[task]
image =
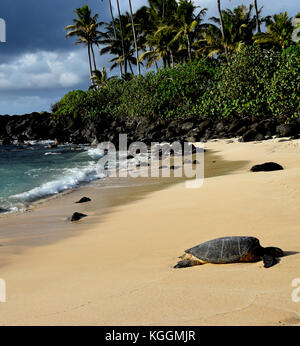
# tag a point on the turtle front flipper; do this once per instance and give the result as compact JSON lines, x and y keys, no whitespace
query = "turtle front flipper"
{"x":183,"y":264}
{"x":188,"y":261}
{"x":269,"y":261}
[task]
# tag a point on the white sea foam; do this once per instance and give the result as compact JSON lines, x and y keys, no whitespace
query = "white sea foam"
{"x":71,"y":178}
{"x":44,"y":142}
{"x":95,"y":153}
{"x":7,"y":207}
{"x":51,"y":153}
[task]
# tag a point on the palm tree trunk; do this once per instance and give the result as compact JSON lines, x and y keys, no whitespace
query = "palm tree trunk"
{"x":90,"y":63}
{"x":168,"y":58}
{"x":256,"y":16}
{"x":115,"y":31}
{"x":135,"y":42}
{"x":94,"y":60}
{"x":155,"y":62}
{"x":172,"y":58}
{"x":189,"y":47}
{"x":222,"y":26}
{"x":125,"y":65}
{"x":130,"y":67}
{"x":121,"y":32}
{"x":164,"y":62}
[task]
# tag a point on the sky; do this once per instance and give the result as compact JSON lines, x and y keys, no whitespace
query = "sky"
{"x":38,"y":65}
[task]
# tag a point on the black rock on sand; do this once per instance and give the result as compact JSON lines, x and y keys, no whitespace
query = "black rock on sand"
{"x":267,"y":167}
{"x":3,"y":210}
{"x":77,"y":216}
{"x":84,"y":200}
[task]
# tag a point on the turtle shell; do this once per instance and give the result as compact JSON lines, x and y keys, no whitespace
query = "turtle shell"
{"x":225,"y":250}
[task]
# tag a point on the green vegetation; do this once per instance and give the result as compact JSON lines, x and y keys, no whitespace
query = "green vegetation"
{"x":219,"y":69}
{"x":254,"y":82}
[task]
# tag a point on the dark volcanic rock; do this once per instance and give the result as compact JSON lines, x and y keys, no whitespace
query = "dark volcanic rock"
{"x":240,"y":131}
{"x":235,"y":126}
{"x":194,"y":133}
{"x":5,"y":141}
{"x":267,"y":167}
{"x":286,"y":130}
{"x":187,"y":126}
{"x":77,"y":216}
{"x":220,"y":127}
{"x":84,"y":200}
{"x":259,"y":137}
{"x":295,"y":137}
{"x":204,"y":125}
{"x":2,"y":210}
{"x":36,"y":126}
{"x":190,"y":139}
{"x":252,"y":135}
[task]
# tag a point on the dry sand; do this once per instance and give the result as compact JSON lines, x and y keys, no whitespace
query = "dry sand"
{"x":116,"y":268}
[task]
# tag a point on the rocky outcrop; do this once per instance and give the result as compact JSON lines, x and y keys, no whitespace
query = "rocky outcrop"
{"x":42,"y":126}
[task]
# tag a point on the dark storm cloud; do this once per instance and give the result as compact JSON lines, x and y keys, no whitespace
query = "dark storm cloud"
{"x":38,"y":65}
{"x":34,"y":25}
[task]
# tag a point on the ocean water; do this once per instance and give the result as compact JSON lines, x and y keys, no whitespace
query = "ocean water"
{"x":33,"y":172}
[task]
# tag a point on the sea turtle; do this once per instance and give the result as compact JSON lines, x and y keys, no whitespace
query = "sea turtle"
{"x":230,"y":250}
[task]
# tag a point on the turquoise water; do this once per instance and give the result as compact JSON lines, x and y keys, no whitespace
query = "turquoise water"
{"x":32,"y":172}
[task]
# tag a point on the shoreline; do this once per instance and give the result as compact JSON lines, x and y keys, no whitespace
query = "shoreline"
{"x":118,"y":271}
{"x":21,"y":229}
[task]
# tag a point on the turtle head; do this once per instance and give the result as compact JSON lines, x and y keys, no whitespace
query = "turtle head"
{"x":273,"y":251}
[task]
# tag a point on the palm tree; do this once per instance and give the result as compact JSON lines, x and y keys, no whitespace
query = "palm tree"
{"x":280,"y":29}
{"x":239,"y":26}
{"x":187,"y":23}
{"x":155,"y":42}
{"x":164,"y":38}
{"x":146,"y":20}
{"x":135,"y":41}
{"x":85,"y":28}
{"x":123,"y":54}
{"x":99,"y":78}
{"x":114,"y":29}
{"x":210,"y":42}
{"x":222,"y":25}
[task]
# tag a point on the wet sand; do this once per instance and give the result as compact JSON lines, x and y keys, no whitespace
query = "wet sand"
{"x":47,"y":221}
{"x":116,"y":266}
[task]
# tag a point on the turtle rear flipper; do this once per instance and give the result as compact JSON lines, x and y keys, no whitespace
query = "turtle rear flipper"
{"x":269,"y":261}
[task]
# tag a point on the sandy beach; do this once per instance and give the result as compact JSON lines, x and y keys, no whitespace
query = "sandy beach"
{"x":116,"y":266}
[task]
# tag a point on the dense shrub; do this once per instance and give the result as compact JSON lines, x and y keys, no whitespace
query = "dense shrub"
{"x":254,"y":82}
{"x":239,"y":88}
{"x":168,"y":93}
{"x":283,"y":90}
{"x":71,"y":103}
